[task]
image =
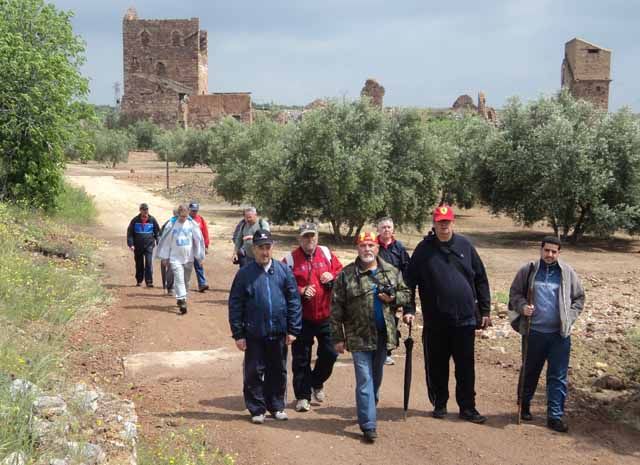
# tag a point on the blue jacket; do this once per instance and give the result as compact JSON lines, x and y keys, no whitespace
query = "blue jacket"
{"x":143,"y":236}
{"x":451,"y":279}
{"x":264,"y":304}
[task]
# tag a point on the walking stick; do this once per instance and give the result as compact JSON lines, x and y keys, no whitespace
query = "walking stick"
{"x":525,"y":345}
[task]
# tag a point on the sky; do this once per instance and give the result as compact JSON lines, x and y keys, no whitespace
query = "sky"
{"x":424,"y":53}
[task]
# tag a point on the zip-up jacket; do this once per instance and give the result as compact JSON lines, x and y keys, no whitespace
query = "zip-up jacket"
{"x":143,"y":235}
{"x":570,"y":300}
{"x":307,"y":271}
{"x":264,"y":303}
{"x":353,"y":318}
{"x":203,"y":228}
{"x":395,"y":253}
{"x":451,"y":280}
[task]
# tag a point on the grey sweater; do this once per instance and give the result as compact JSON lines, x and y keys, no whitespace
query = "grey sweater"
{"x":571,"y":298}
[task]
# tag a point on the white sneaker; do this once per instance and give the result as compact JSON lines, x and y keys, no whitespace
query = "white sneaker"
{"x":389,"y":361}
{"x":258,"y":419}
{"x":318,"y":394}
{"x":281,"y":415}
{"x":303,"y":405}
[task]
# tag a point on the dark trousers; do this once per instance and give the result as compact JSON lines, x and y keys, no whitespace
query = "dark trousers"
{"x":304,"y":378}
{"x":167,"y":276}
{"x":265,"y":375}
{"x":555,"y":350}
{"x":440,"y":344}
{"x":202,"y":281}
{"x":144,"y":265}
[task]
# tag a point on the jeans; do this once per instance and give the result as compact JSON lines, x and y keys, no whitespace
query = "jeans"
{"x":202,"y":281}
{"x":144,"y":265}
{"x":555,"y":350}
{"x":368,"y":366}
{"x":304,"y":378}
{"x":167,"y":276}
{"x":265,"y":375}
{"x":441,"y":343}
{"x":181,"y":277}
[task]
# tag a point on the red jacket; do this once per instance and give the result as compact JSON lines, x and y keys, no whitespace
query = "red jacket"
{"x":203,"y":227}
{"x":307,"y":271}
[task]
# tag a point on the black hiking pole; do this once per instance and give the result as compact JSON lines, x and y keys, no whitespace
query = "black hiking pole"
{"x":408,"y":342}
{"x":525,"y":346}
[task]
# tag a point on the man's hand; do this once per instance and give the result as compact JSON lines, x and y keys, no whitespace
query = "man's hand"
{"x":234,"y":258}
{"x":241,"y":344}
{"x":165,"y":262}
{"x":326,"y":277}
{"x":290,"y":339}
{"x":206,"y":250}
{"x":408,"y":318}
{"x":387,"y":299}
{"x":486,"y":322}
{"x":339,"y":347}
{"x":528,"y":310}
{"x":309,"y":291}
{"x":132,"y":248}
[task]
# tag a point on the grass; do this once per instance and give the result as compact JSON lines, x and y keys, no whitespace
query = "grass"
{"x":41,"y":293}
{"x":186,"y":447}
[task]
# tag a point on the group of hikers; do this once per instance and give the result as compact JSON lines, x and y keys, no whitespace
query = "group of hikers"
{"x":309,"y":297}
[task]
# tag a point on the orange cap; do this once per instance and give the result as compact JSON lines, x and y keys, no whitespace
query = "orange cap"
{"x":368,"y":236}
{"x":443,"y":213}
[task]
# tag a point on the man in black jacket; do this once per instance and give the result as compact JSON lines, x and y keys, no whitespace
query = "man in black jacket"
{"x":142,"y":236}
{"x":455,"y":297}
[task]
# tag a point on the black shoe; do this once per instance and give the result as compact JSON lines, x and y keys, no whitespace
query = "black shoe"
{"x":558,"y":425}
{"x":182,"y":305}
{"x":203,"y":288}
{"x":169,"y":291}
{"x":149,"y":284}
{"x":370,"y":436}
{"x":472,"y":415}
{"x":439,"y":412}
{"x":525,"y":413}
{"x":138,"y":284}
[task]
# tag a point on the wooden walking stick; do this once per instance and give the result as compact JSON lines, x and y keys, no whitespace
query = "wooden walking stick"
{"x":525,"y":343}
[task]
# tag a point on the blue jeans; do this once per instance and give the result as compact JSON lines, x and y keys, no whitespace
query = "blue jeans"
{"x":555,"y":350}
{"x":368,"y":366}
{"x":202,"y":281}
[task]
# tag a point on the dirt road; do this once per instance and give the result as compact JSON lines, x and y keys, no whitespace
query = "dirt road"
{"x":197,"y":378}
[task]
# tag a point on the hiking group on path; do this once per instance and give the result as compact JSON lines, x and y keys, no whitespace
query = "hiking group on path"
{"x":310,"y":297}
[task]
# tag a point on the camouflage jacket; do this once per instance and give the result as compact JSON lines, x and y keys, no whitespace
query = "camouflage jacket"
{"x":352,"y":312}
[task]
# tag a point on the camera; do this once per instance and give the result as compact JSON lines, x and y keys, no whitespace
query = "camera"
{"x":328,"y":285}
{"x":388,"y":289}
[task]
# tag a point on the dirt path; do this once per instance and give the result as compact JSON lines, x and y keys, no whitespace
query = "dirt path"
{"x":204,"y":386}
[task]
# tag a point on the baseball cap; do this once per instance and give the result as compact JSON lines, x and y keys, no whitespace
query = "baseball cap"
{"x":367,"y":236}
{"x":194,"y":206}
{"x":262,"y":236}
{"x":144,"y":206}
{"x":443,"y":213}
{"x":307,"y":228}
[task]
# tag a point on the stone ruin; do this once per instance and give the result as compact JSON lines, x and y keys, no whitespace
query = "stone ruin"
{"x":465,"y":103}
{"x":586,"y":72}
{"x":166,"y":72}
{"x":374,"y":91}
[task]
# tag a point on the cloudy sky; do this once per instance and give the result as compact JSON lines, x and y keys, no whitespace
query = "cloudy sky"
{"x":424,"y":53}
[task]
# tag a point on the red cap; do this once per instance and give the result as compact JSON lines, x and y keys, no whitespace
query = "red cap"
{"x":443,"y":213}
{"x":369,"y":236}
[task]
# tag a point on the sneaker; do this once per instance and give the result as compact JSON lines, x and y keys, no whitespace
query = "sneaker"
{"x":281,"y":415}
{"x":258,"y":419}
{"x":525,"y":413}
{"x":389,"y":360}
{"x":303,"y":405}
{"x":370,"y":436}
{"x":439,"y":412}
{"x":182,"y":305}
{"x":203,"y":288}
{"x":473,"y":416}
{"x":318,"y":394}
{"x":557,"y":424}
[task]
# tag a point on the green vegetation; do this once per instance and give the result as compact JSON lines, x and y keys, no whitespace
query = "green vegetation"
{"x":187,"y":447}
{"x":41,"y":98}
{"x":113,"y":145}
{"x":40,"y":295}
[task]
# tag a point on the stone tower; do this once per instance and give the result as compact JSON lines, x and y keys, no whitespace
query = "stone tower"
{"x":586,"y":72}
{"x":374,"y":91}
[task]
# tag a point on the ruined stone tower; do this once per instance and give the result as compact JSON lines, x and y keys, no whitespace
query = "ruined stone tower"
{"x":586,"y":72}
{"x":374,"y":91}
{"x":166,"y":74}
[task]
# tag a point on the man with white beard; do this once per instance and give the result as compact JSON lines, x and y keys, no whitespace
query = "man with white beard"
{"x":365,"y":298}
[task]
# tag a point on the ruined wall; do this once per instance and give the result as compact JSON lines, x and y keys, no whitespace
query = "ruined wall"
{"x":205,"y":110}
{"x":374,"y":91}
{"x":586,"y":72}
{"x":162,"y":62}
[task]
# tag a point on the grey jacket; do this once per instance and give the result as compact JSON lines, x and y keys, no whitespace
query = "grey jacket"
{"x":571,"y":296}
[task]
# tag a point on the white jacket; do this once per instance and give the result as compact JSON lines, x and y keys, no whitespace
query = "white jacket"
{"x":181,"y":242}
